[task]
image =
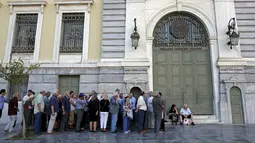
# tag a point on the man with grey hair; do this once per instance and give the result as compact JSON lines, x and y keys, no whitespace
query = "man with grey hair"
{"x":186,"y":113}
{"x":114,"y":110}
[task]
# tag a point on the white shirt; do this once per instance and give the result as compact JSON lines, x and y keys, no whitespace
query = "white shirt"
{"x":141,"y":103}
{"x":72,"y":107}
{"x":25,"y":98}
{"x":185,"y":112}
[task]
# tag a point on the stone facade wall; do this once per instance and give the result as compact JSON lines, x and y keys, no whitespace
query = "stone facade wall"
{"x":243,"y":78}
{"x":100,"y":79}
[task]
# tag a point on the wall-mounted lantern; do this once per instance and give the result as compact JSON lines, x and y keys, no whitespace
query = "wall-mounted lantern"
{"x":233,"y":34}
{"x":135,"y":36}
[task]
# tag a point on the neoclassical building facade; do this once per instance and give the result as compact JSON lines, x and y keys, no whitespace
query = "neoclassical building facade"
{"x":183,"y":50}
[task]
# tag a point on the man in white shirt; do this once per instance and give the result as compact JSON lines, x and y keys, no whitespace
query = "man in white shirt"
{"x":186,"y":113}
{"x":141,"y":109}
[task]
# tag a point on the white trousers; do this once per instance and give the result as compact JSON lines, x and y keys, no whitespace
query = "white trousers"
{"x":52,"y":122}
{"x":103,"y":119}
{"x":11,"y":124}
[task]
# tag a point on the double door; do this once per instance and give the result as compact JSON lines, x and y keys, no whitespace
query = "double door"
{"x":184,"y":77}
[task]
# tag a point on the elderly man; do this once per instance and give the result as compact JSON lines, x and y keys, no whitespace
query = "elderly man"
{"x":38,"y":111}
{"x":66,"y":106}
{"x":12,"y":113}
{"x":114,"y":110}
{"x":150,"y":112}
{"x":54,"y":111}
{"x":141,"y":110}
{"x":186,"y":113}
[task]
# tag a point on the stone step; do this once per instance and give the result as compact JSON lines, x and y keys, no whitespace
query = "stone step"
{"x":202,"y":119}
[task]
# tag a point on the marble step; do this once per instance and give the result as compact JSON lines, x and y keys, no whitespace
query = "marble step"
{"x":202,"y":119}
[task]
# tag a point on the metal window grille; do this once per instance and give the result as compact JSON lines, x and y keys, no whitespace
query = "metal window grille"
{"x":72,"y":33}
{"x":25,"y":31}
{"x":180,"y":30}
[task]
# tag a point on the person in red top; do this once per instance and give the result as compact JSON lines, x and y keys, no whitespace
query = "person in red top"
{"x":12,"y":113}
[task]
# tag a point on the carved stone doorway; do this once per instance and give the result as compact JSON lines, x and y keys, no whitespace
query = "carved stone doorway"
{"x":136,"y":91}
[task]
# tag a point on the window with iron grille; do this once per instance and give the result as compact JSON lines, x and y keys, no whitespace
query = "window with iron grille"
{"x":72,"y":33}
{"x":25,"y":31}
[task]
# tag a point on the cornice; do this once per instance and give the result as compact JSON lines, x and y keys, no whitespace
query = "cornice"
{"x":25,"y":3}
{"x":68,"y":2}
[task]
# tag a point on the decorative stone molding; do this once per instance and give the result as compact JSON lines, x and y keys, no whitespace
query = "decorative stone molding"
{"x":233,"y":77}
{"x":31,"y":3}
{"x":135,"y":1}
{"x":74,"y":2}
{"x":231,"y":62}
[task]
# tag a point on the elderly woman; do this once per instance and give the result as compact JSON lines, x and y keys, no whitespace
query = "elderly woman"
{"x":127,"y":114}
{"x":104,"y":111}
{"x":93,"y":112}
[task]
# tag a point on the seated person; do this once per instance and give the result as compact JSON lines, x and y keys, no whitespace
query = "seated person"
{"x":186,"y":113}
{"x":173,"y":113}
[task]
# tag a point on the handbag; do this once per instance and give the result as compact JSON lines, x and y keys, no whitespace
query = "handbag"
{"x":130,"y":114}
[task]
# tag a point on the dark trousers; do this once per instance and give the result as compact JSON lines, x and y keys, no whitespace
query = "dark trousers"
{"x":37,"y":124}
{"x":141,"y":115}
{"x":162,"y":125}
{"x":79,"y":114}
{"x":1,"y":110}
{"x":157,"y":122}
{"x":44,"y":122}
{"x":64,"y":121}
{"x":120,"y":120}
{"x":84,"y":120}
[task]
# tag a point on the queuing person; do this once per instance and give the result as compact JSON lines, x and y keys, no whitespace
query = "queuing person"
{"x":157,"y":108}
{"x":150,"y":111}
{"x":141,"y":109}
{"x":114,"y":110}
{"x":66,"y":107}
{"x":162,"y":124}
{"x":127,"y":114}
{"x":38,"y":110}
{"x":12,"y":113}
{"x":54,"y":111}
{"x":46,"y":112}
{"x":93,"y":106}
{"x":71,"y":121}
{"x":28,"y":111}
{"x":80,"y":102}
{"x":2,"y":100}
{"x":133,"y":105}
{"x":104,"y":112}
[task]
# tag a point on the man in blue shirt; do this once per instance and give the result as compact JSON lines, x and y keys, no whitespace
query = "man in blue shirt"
{"x":2,"y":100}
{"x":66,"y":106}
{"x":54,"y":111}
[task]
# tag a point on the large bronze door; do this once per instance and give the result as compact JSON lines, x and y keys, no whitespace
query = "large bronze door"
{"x":181,"y":63}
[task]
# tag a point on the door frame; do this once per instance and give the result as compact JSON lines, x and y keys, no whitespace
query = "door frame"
{"x":230,"y":101}
{"x":213,"y":45}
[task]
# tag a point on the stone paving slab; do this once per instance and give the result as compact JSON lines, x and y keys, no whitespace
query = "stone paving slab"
{"x":174,"y":134}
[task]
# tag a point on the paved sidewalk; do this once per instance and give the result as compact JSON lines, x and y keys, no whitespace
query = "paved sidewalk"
{"x":174,"y":134}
